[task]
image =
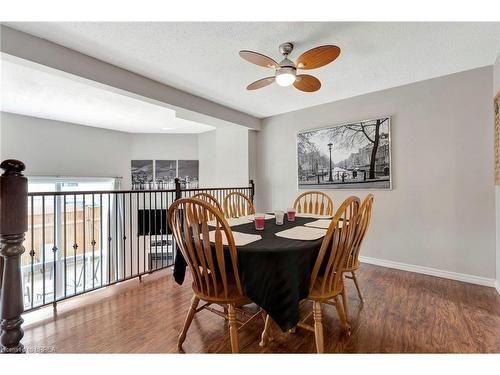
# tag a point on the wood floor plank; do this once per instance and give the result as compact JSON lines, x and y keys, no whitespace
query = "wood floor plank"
{"x":403,"y":313}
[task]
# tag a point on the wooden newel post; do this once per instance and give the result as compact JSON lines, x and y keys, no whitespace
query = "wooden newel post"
{"x":178,"y":194}
{"x":13,"y":225}
{"x":252,"y":190}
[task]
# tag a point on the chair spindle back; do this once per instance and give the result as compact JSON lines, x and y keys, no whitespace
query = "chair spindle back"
{"x":337,"y":243}
{"x":362,"y":223}
{"x":210,"y":199}
{"x":314,"y":202}
{"x":212,"y":273}
{"x":237,"y":204}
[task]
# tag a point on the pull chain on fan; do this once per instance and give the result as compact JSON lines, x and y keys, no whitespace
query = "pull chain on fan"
{"x":286,"y":71}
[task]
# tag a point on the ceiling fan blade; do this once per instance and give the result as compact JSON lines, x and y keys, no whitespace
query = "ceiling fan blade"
{"x":317,"y":57}
{"x":259,"y":59}
{"x":307,"y":83}
{"x":260,"y":83}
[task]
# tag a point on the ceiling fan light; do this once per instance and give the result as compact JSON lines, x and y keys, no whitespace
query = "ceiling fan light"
{"x":285,"y":76}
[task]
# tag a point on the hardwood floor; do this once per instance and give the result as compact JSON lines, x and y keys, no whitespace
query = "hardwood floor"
{"x":403,"y":313}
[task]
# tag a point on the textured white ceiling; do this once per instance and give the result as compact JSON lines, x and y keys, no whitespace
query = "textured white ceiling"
{"x":202,"y":58}
{"x":49,"y":94}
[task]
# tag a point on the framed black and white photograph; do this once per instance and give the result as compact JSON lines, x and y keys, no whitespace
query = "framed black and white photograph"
{"x":187,"y":172}
{"x":142,"y":174}
{"x":165,"y":173}
{"x":354,"y":155}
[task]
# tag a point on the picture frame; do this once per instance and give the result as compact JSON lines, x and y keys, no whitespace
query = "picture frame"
{"x":341,"y":156}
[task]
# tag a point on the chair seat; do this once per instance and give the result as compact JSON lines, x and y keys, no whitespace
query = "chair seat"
{"x":317,"y":294}
{"x":233,"y":295}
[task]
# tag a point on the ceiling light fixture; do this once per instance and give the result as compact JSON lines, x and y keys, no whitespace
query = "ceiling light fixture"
{"x":285,"y":76}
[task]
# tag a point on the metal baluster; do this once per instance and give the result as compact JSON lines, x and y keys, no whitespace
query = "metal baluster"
{"x":32,"y":252}
{"x":161,"y":226}
{"x":84,"y":247}
{"x":144,"y":231}
{"x":43,"y":249}
{"x":93,"y":241}
{"x":149,"y":235}
{"x":174,"y":248}
{"x":65,"y":248}
{"x":124,"y":236}
{"x":130,"y":233}
{"x":75,"y":246}
{"x":117,"y":241}
{"x":54,"y":250}
{"x":156,"y":232}
{"x":109,"y":238}
{"x":137,"y":228}
{"x":101,"y":237}
{"x":166,"y":226}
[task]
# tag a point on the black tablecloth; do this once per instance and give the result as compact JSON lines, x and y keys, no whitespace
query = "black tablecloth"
{"x":275,"y":271}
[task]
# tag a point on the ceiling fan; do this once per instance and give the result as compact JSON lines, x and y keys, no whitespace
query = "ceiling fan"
{"x":286,"y":70}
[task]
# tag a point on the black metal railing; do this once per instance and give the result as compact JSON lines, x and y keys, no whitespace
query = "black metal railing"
{"x":80,"y":241}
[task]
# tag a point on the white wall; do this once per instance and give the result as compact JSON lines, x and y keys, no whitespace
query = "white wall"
{"x":441,"y":212}
{"x":208,"y":160}
{"x":164,"y":146}
{"x":232,"y":157}
{"x":53,"y":148}
{"x":224,"y":158}
{"x":496,"y":75}
{"x":252,"y":150}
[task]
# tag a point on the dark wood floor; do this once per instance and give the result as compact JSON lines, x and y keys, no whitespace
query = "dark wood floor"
{"x":403,"y":313}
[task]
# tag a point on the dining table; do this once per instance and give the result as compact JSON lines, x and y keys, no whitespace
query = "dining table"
{"x":275,"y":271}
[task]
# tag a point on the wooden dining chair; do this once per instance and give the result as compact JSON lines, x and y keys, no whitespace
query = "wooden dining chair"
{"x":352,"y":259}
{"x":326,"y":279}
{"x":314,"y":202}
{"x":210,"y":199}
{"x":237,"y":204}
{"x":216,"y":278}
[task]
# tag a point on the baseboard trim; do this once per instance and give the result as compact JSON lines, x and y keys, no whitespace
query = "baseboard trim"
{"x":432,"y":272}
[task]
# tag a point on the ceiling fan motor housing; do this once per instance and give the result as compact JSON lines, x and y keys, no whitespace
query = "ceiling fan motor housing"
{"x":286,"y":66}
{"x":286,"y":63}
{"x":286,"y":48}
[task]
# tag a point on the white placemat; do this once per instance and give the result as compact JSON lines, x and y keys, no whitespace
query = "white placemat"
{"x":240,"y":239}
{"x":322,"y":223}
{"x":314,"y":216}
{"x":233,"y":221}
{"x":302,"y":233}
{"x":251,"y":217}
